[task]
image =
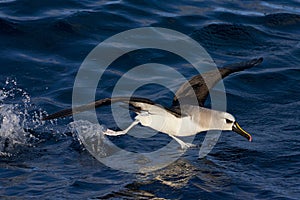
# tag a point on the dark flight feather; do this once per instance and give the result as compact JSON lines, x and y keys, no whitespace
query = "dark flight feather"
{"x":198,"y":85}
{"x":103,"y":102}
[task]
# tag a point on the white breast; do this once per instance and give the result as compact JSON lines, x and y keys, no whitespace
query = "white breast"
{"x":161,"y":120}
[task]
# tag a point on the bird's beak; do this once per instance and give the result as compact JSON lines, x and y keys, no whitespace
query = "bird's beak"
{"x":236,"y":128}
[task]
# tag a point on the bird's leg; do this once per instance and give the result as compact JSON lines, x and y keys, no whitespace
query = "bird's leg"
{"x":183,"y":144}
{"x":123,"y":132}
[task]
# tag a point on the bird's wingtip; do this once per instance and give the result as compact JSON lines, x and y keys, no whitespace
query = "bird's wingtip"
{"x":244,"y":65}
{"x":257,"y":61}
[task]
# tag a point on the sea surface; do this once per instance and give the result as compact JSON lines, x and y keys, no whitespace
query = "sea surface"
{"x":43,"y":44}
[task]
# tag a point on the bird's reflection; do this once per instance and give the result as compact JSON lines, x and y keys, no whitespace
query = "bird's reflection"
{"x":181,"y":175}
{"x":204,"y":174}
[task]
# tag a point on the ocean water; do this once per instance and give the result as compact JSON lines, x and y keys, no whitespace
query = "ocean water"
{"x":43,"y":44}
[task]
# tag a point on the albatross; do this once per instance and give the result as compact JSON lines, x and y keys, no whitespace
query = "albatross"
{"x":183,"y":117}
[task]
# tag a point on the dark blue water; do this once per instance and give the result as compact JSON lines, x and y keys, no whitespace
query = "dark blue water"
{"x":43,"y":44}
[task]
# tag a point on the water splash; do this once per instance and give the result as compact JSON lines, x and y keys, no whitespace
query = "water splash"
{"x":92,"y":136}
{"x":16,"y":118}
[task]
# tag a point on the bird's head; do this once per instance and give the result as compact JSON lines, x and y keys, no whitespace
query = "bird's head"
{"x":229,"y":123}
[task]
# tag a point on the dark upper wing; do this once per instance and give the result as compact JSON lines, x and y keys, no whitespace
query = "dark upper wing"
{"x":103,"y":102}
{"x":200,"y":84}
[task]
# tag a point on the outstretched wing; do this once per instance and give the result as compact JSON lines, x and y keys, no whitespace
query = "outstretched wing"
{"x":200,"y":84}
{"x":107,"y":101}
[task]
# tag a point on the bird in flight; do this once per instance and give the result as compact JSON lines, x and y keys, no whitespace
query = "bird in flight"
{"x":185,"y":117}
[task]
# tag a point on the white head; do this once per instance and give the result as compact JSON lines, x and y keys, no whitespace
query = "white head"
{"x":225,"y":121}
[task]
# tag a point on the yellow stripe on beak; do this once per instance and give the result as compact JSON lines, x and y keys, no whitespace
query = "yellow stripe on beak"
{"x":236,"y":128}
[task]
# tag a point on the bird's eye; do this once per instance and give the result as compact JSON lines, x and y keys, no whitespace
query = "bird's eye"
{"x":228,"y":121}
